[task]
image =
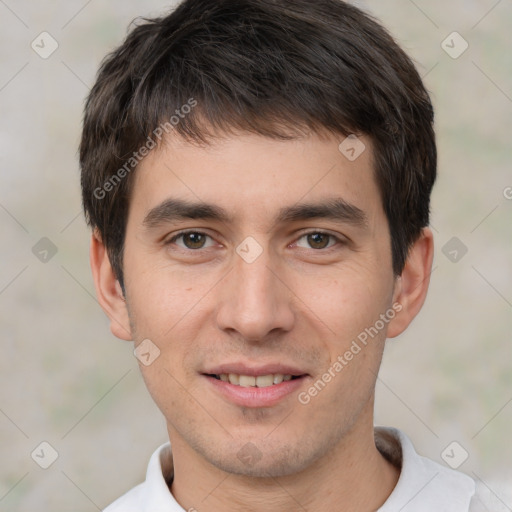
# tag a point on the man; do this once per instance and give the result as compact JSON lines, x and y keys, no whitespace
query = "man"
{"x":257,"y":174}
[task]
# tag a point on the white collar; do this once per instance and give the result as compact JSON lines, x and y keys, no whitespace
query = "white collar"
{"x":423,"y":486}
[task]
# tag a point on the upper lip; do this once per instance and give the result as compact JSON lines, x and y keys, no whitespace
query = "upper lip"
{"x":241,"y":368}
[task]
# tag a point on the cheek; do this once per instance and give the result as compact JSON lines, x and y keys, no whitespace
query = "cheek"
{"x":162,"y":296}
{"x":168,"y":389}
{"x":346,"y":300}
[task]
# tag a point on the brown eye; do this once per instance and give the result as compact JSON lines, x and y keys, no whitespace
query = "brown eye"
{"x":317,"y":240}
{"x":192,"y":240}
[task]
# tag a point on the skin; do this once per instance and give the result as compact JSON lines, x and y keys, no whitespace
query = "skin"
{"x":298,"y":303}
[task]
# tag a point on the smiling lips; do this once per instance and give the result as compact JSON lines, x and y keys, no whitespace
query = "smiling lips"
{"x":261,"y":381}
{"x":248,"y":386}
{"x":246,"y":375}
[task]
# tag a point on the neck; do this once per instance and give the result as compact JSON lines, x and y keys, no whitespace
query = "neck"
{"x":353,"y":475}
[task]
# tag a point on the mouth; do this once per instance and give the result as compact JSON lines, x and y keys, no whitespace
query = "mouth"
{"x":252,"y":381}
{"x":263,"y":387}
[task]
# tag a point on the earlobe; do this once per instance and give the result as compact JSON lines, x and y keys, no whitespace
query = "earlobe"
{"x":412,"y":285}
{"x":109,"y":292}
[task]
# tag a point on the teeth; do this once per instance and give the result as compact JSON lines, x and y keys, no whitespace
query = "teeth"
{"x":278,"y":378}
{"x":263,"y":381}
{"x":247,"y":381}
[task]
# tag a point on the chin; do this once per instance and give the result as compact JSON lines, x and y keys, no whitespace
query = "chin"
{"x":259,"y":460}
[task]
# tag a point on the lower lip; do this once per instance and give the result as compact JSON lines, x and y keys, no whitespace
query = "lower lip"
{"x":253,"y":396}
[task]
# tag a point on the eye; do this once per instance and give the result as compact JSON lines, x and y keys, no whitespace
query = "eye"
{"x":192,"y":240}
{"x":318,"y":240}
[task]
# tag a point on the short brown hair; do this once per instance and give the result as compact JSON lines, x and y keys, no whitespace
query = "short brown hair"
{"x":279,"y":68}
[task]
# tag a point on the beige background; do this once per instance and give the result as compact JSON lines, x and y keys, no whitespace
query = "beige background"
{"x":66,"y":380}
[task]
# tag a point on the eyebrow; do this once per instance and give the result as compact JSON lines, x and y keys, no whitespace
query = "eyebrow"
{"x":335,"y":209}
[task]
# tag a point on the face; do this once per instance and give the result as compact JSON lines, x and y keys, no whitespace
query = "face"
{"x":262,"y":259}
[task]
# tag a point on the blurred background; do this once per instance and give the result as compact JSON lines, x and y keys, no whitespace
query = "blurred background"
{"x":66,"y":381}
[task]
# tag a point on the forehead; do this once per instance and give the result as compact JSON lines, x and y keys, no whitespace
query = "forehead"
{"x":253,"y":177}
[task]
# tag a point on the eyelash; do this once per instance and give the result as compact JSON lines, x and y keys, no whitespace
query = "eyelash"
{"x":313,"y":232}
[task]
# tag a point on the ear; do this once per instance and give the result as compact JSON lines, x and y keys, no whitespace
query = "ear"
{"x":412,"y":285}
{"x":108,"y":290}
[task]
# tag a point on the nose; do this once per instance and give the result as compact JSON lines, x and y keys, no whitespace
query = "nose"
{"x":255,"y":301}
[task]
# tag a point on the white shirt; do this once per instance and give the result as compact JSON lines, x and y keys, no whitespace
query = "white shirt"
{"x":423,"y":485}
